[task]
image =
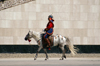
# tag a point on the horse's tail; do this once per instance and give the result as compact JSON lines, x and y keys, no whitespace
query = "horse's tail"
{"x":71,"y":47}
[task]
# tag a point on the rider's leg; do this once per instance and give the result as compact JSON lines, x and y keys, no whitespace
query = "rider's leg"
{"x":48,"y":41}
{"x":46,"y":38}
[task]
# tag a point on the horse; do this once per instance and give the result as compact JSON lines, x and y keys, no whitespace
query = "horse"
{"x":58,"y":40}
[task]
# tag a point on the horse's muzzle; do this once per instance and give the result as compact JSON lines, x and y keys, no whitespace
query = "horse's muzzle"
{"x":26,"y":39}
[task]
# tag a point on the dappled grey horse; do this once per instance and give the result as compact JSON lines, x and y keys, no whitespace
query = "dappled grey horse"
{"x":58,"y":40}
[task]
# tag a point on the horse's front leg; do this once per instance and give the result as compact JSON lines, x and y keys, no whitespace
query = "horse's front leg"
{"x":46,"y":54}
{"x":37,"y":52}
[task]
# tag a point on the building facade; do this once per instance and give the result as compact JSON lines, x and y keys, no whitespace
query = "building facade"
{"x":77,"y":19}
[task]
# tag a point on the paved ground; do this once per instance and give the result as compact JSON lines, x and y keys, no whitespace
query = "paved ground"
{"x":50,"y":62}
{"x":51,"y":55}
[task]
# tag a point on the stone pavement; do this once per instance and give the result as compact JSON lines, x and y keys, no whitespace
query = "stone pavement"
{"x":51,"y":55}
{"x":50,"y":62}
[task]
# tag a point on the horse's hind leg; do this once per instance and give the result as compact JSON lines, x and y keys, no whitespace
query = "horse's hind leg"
{"x":63,"y":51}
{"x":46,"y":54}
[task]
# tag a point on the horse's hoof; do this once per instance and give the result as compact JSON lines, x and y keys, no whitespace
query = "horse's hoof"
{"x":65,"y":57}
{"x":46,"y":58}
{"x":61,"y":59}
{"x":34,"y":58}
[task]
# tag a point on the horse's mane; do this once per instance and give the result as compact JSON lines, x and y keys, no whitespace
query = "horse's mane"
{"x":36,"y":34}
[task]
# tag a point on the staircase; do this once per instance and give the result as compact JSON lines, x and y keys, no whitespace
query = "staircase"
{"x":11,"y":3}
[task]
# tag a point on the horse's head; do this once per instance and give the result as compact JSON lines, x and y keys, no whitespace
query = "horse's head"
{"x":29,"y":36}
{"x":32,"y":34}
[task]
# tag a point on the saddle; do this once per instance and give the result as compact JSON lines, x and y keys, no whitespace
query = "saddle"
{"x":45,"y":43}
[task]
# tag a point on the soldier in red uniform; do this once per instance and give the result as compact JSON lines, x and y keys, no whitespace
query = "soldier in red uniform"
{"x":49,"y":29}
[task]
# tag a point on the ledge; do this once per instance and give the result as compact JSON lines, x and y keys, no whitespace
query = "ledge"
{"x":12,"y":3}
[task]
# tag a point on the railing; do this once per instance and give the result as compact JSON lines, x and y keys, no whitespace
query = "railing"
{"x":11,"y":3}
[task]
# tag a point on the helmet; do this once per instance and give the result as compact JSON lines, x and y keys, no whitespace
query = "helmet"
{"x":50,"y":16}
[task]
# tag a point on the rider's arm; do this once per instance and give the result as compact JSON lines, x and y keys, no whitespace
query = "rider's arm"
{"x":49,"y":25}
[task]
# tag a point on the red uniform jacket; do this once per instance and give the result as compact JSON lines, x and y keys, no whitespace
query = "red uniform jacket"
{"x":50,"y":25}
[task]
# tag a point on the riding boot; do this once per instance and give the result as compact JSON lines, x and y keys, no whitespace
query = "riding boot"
{"x":48,"y":43}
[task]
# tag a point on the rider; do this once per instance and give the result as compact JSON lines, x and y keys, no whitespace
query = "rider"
{"x":49,"y":29}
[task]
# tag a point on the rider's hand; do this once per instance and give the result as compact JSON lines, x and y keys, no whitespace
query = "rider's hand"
{"x":46,"y":29}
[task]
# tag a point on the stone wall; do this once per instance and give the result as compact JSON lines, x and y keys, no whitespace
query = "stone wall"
{"x":77,"y":19}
